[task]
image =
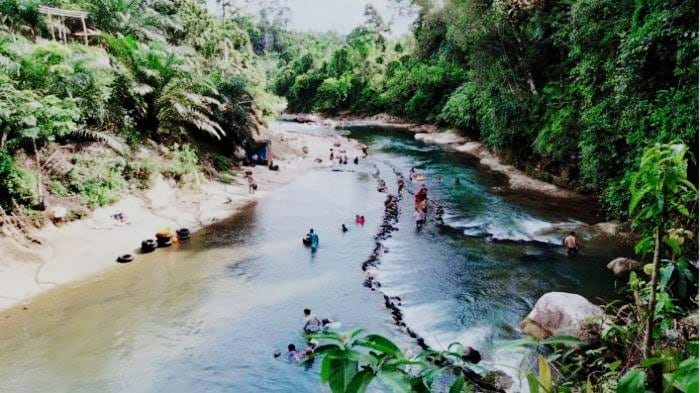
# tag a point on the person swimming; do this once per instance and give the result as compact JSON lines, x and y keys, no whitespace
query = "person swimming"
{"x":292,"y":355}
{"x":356,"y":160}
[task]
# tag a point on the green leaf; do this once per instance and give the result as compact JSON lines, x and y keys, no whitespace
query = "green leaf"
{"x":569,"y":341}
{"x":458,"y":384}
{"x":360,"y":381}
{"x":419,"y":386}
{"x":653,"y":361}
{"x":685,"y":378}
{"x":533,"y":384}
{"x":341,"y":373}
{"x":632,"y":382}
{"x":666,"y":274}
{"x":397,"y":380}
{"x":545,"y":373}
{"x":325,"y":368}
{"x":381,"y":344}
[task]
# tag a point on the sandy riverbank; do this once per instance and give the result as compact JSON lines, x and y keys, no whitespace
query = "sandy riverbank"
{"x":88,"y":247}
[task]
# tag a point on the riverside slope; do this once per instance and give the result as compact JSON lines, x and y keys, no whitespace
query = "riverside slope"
{"x":86,"y":248}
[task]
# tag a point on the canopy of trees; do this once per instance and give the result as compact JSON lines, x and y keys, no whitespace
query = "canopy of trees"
{"x":573,"y":90}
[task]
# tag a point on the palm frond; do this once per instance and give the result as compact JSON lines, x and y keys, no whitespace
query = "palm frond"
{"x":111,"y":140}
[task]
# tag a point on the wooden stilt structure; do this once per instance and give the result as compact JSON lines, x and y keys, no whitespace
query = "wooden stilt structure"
{"x":63,"y":31}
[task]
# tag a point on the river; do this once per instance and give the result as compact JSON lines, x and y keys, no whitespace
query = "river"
{"x":208,"y":314}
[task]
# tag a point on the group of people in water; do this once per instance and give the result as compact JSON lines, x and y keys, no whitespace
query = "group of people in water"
{"x":310,"y":324}
{"x":342,"y":157}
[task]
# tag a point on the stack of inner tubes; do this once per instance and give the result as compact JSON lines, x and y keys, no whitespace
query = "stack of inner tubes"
{"x":148,"y":245}
{"x":164,"y":240}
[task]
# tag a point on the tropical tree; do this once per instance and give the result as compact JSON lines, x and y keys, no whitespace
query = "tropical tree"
{"x":661,"y":197}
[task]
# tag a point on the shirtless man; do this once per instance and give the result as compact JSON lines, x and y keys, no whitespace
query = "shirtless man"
{"x":571,"y":244}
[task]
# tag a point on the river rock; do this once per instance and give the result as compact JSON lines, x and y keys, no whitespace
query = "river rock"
{"x":499,"y":380}
{"x":441,"y":138}
{"x":424,"y":128}
{"x":610,"y":228}
{"x":623,"y":266}
{"x":307,"y":118}
{"x":560,"y":313}
{"x":471,"y":355}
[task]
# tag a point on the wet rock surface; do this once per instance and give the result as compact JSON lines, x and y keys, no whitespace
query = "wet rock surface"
{"x":560,"y":314}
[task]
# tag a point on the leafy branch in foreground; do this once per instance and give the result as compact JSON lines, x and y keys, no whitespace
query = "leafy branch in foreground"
{"x":353,"y":361}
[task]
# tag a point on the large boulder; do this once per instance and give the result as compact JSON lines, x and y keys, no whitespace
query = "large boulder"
{"x":441,"y":138}
{"x":561,"y":314}
{"x":307,"y":118}
{"x":424,"y":128}
{"x":623,"y":266}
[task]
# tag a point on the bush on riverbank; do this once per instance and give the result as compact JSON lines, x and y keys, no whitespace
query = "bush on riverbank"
{"x":165,"y":70}
{"x":573,"y":89}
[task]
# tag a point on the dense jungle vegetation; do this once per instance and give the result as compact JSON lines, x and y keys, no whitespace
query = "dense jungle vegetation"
{"x":572,"y":90}
{"x":168,"y":71}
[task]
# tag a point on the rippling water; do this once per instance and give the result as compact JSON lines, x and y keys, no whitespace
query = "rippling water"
{"x":208,"y":316}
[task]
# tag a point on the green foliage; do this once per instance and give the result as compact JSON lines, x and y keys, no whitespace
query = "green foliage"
{"x":166,"y":70}
{"x":353,"y":361}
{"x":17,"y":183}
{"x":97,"y":180}
{"x":58,"y":189}
{"x":141,"y":172}
{"x":632,"y":382}
{"x":221,"y":163}
{"x":577,"y":88}
{"x":183,"y":162}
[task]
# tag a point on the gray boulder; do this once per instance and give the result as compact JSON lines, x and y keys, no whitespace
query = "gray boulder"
{"x":623,"y":266}
{"x":561,"y":314}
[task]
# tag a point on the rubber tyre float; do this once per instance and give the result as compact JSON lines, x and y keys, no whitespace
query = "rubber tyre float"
{"x":183,"y":233}
{"x":125,"y":258}
{"x":165,"y":242}
{"x":149,"y":245}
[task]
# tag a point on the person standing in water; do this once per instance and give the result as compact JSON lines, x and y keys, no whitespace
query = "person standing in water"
{"x":399,"y":185}
{"x":572,"y":244}
{"x":419,"y":216}
{"x":310,"y":322}
{"x":313,"y":237}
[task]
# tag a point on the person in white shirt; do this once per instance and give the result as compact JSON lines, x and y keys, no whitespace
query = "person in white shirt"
{"x":310,"y":323}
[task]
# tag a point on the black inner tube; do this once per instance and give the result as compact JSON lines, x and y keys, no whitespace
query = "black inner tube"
{"x":126,"y":258}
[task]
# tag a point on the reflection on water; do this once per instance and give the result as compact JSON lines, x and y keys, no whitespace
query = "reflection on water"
{"x":209,"y":315}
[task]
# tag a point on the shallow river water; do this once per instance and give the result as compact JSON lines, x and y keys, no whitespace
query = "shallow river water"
{"x":207,"y":315}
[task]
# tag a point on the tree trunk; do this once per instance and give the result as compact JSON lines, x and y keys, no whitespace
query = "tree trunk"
{"x":646,"y":350}
{"x":40,"y":193}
